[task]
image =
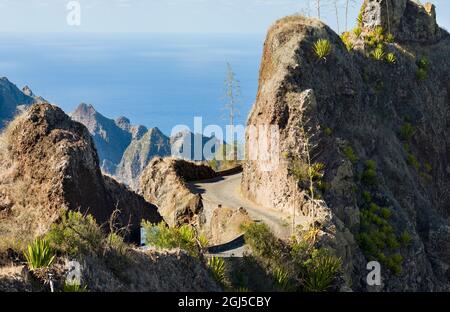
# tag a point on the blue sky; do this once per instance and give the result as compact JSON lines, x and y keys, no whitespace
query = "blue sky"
{"x":177,"y":16}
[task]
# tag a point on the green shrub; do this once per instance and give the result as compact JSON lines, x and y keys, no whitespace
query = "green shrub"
{"x":350,"y":154}
{"x":162,"y":236}
{"x":39,"y":254}
{"x":74,"y":288}
{"x":407,"y":132}
{"x":421,"y":74}
{"x":405,"y":238}
{"x":423,"y":63}
{"x":322,"y":270}
{"x":378,"y":32}
{"x":328,"y":131}
{"x":369,"y":175}
{"x":367,"y":197}
{"x":390,"y":38}
{"x":394,"y":263}
{"x":391,"y":58}
{"x":428,"y":167}
{"x":413,"y":162}
{"x":361,"y":14}
{"x":262,"y":241}
{"x":386,"y":213}
{"x":357,"y":31}
{"x":217,"y":268}
{"x":346,"y":39}
{"x":322,"y":49}
{"x":282,"y":279}
{"x":76,"y":234}
{"x":378,"y":54}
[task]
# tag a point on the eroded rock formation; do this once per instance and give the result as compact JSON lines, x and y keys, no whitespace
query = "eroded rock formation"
{"x":382,"y":134}
{"x":164,"y":182}
{"x":49,"y":165}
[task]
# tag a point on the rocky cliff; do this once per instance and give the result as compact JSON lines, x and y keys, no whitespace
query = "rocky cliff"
{"x":125,"y":149}
{"x":377,"y":129}
{"x":164,"y":182}
{"x":111,"y":139}
{"x":13,"y":100}
{"x":139,"y":154}
{"x":49,"y":165}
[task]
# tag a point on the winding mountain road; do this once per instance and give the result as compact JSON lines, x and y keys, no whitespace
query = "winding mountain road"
{"x":226,"y":191}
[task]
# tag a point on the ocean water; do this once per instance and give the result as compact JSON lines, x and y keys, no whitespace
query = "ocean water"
{"x":158,"y":80}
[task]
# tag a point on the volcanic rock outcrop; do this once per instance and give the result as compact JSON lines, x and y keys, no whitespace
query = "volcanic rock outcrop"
{"x":13,"y":100}
{"x":49,"y":165}
{"x":382,"y":134}
{"x":164,"y":182}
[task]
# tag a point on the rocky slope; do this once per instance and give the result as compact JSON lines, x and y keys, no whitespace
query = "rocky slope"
{"x":125,"y":150}
{"x":49,"y":165}
{"x":163,"y":182}
{"x":139,"y":154}
{"x":381,"y":130}
{"x":111,"y":139}
{"x":146,"y":271}
{"x":13,"y":100}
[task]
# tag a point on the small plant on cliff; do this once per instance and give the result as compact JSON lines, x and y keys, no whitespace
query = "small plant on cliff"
{"x":350,"y":154}
{"x":369,"y":176}
{"x":183,"y":237}
{"x":422,"y":72}
{"x":390,"y":38}
{"x":407,"y":132}
{"x":391,"y":58}
{"x":361,"y":15}
{"x":322,"y":49}
{"x":76,"y":234}
{"x":423,"y":63}
{"x":357,"y":31}
{"x":413,"y":162}
{"x":39,"y":254}
{"x":378,"y":54}
{"x":322,"y":269}
{"x":346,"y":39}
{"x":74,"y":288}
{"x":259,"y":237}
{"x":217,"y":267}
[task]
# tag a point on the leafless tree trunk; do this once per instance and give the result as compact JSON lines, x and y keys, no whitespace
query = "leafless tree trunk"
{"x":232,"y":94}
{"x":318,"y":8}
{"x":347,"y":4}
{"x":337,"y":15}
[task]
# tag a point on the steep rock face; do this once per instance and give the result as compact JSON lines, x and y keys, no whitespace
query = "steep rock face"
{"x":407,"y":20}
{"x":189,"y":146}
{"x":163,"y":182}
{"x":50,"y":165}
{"x":11,"y":100}
{"x":110,"y":139}
{"x":147,"y":271}
{"x":138,"y":155}
{"x":354,"y":104}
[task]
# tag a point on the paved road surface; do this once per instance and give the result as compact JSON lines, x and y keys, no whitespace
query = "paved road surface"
{"x":225,"y":191}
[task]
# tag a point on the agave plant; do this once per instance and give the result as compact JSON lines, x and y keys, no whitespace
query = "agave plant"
{"x":391,"y":58}
{"x":322,"y":48}
{"x":39,"y":254}
{"x":282,"y":279}
{"x":217,"y":267}
{"x":322,"y":273}
{"x":73,"y":287}
{"x":378,"y":53}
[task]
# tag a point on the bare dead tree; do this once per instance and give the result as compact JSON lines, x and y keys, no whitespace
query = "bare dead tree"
{"x":232,"y":95}
{"x":318,"y":8}
{"x":336,"y":9}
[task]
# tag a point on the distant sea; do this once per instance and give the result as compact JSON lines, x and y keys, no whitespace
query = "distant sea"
{"x":154,"y":79}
